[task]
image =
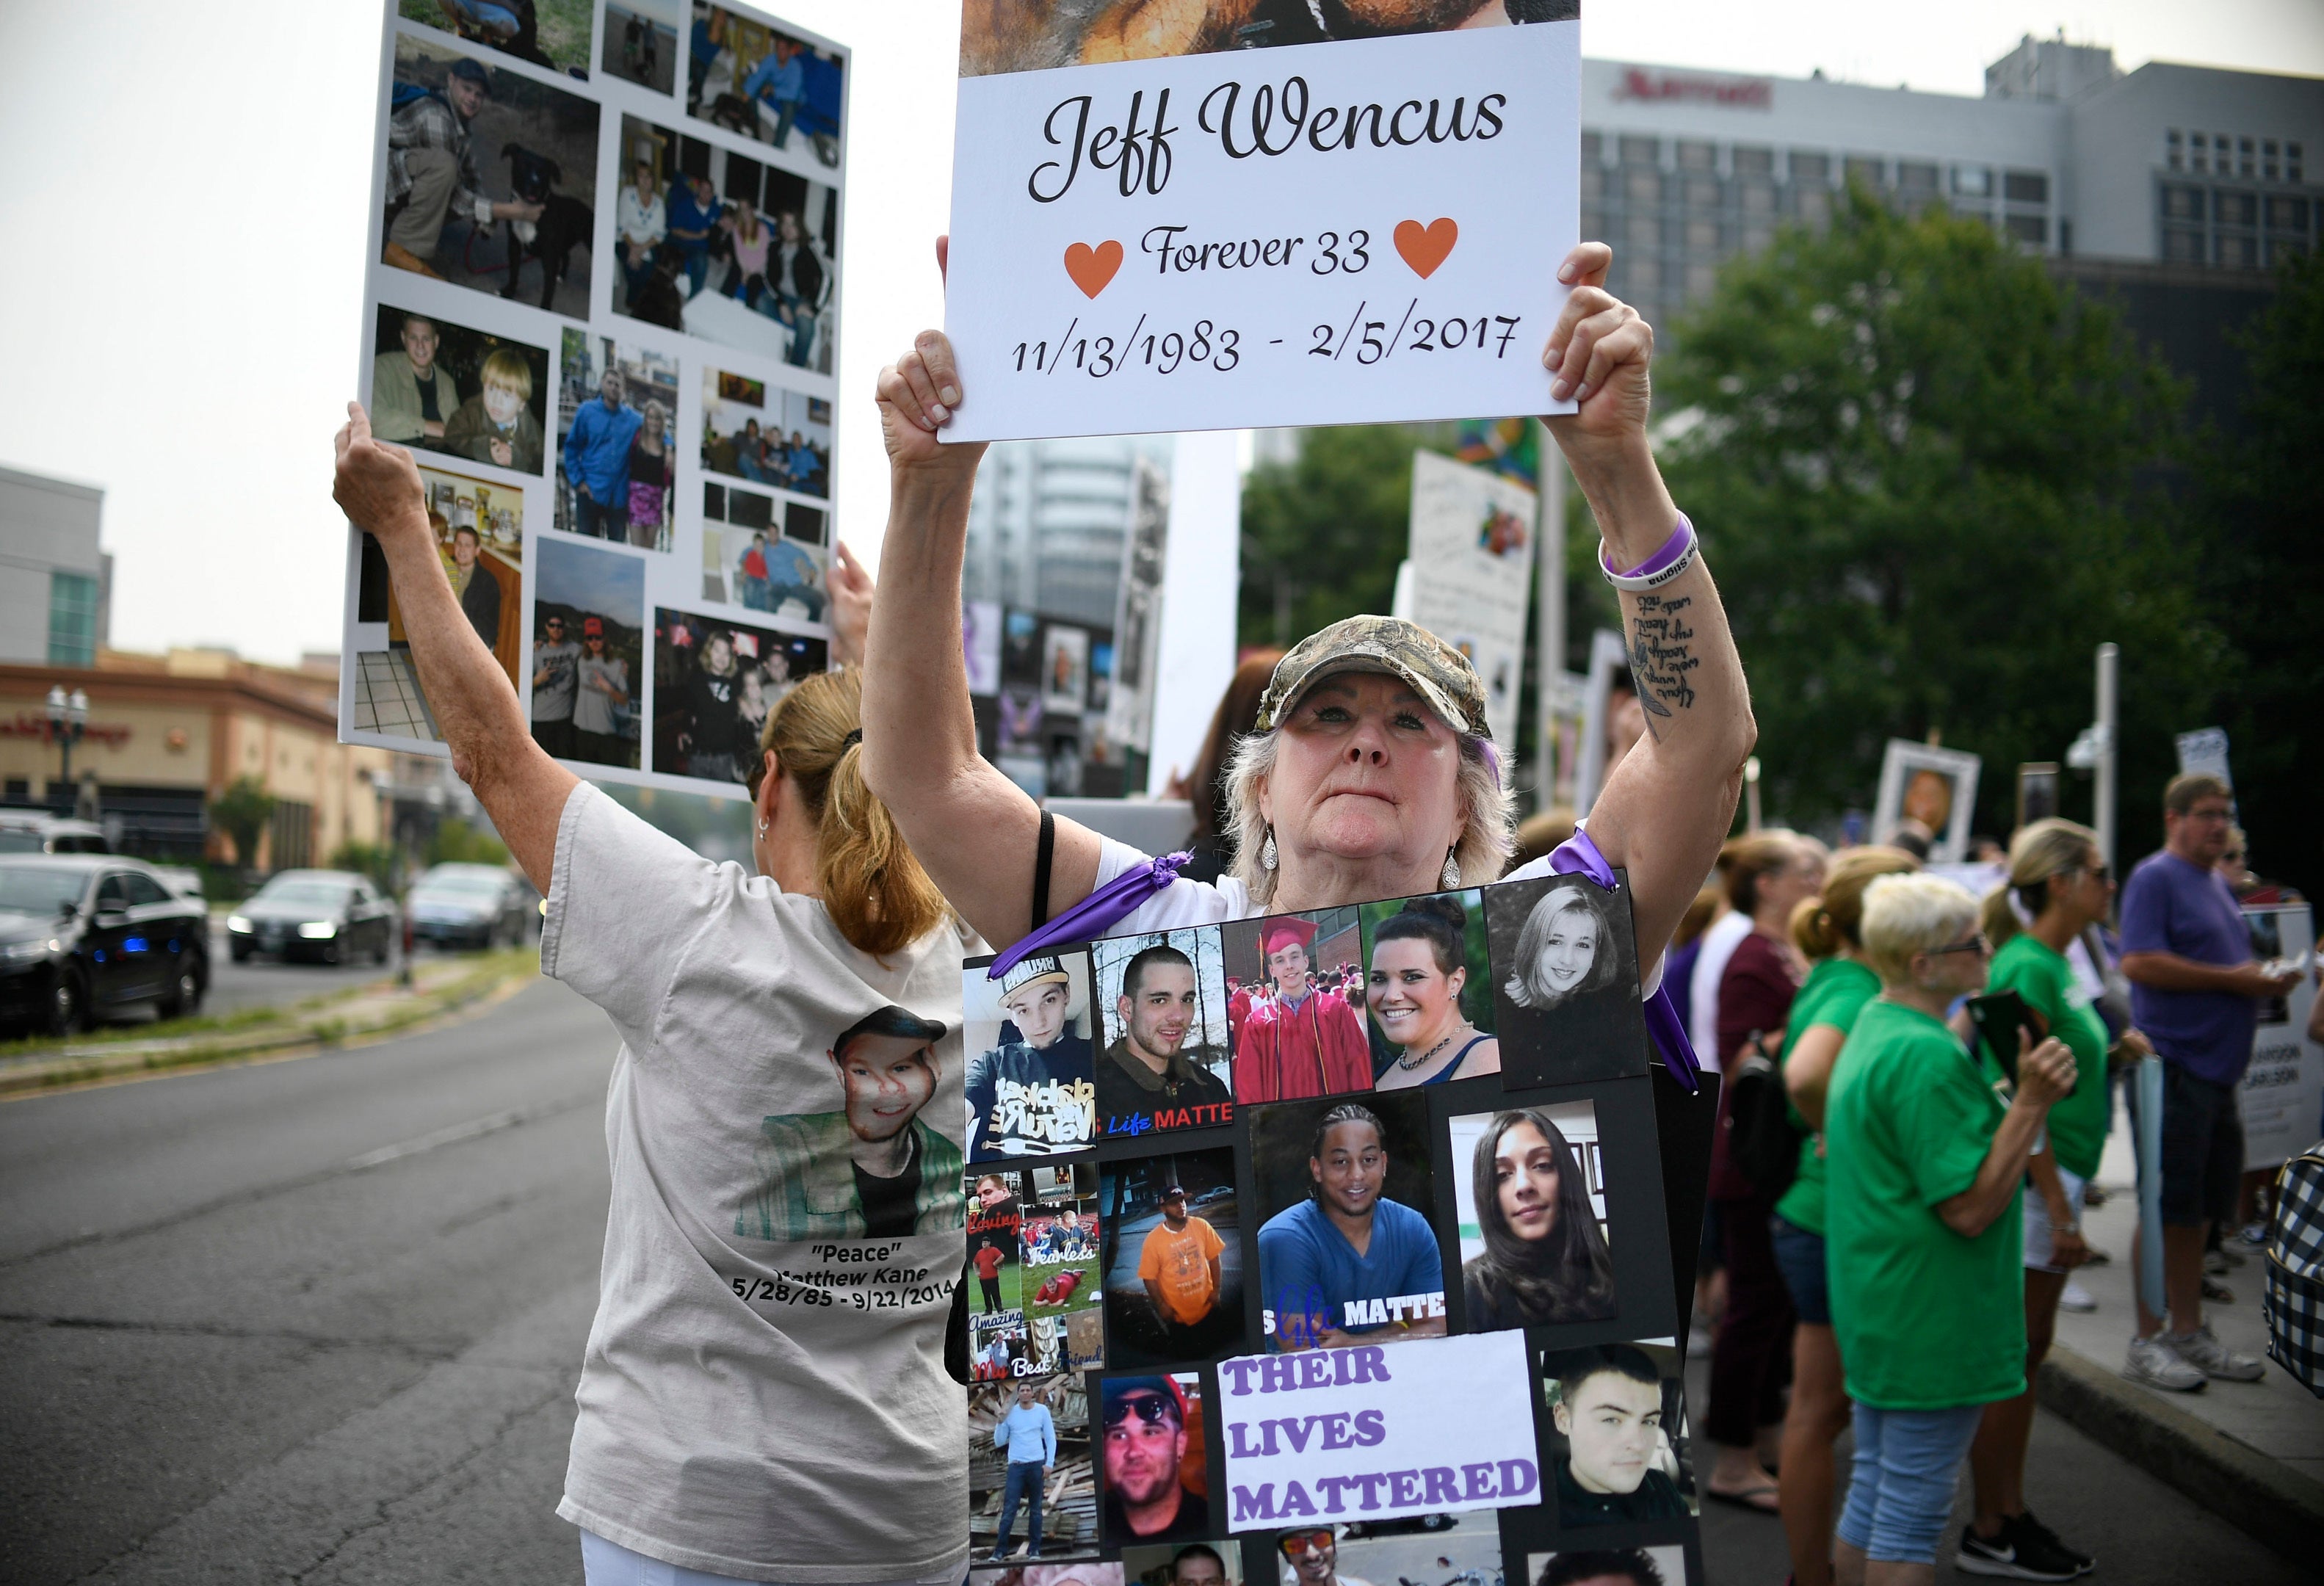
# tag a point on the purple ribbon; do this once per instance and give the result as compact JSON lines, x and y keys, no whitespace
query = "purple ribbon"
{"x":1090,"y":918}
{"x":1578,"y":856}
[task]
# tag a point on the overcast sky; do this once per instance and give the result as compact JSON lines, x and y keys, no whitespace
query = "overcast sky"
{"x":183,"y":208}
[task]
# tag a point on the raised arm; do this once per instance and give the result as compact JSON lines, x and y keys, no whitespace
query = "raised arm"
{"x":1666,"y":808}
{"x":476,"y":706}
{"x":973,"y":829}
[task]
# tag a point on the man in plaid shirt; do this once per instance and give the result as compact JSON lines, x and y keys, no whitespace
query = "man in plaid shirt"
{"x":431,"y":174}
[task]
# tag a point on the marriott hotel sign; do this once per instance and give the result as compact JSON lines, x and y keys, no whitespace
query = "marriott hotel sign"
{"x":1732,"y":93}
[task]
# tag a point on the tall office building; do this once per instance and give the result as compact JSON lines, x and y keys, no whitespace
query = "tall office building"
{"x":55,"y":583}
{"x":1048,"y":522}
{"x":2168,"y":165}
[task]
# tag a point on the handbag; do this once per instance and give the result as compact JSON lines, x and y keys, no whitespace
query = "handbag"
{"x":2293,"y":1304}
{"x":1762,"y":1140}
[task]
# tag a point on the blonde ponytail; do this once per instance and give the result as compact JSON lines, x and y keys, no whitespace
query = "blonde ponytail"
{"x":1824,"y":926}
{"x":875,"y":890}
{"x":2038,"y":855}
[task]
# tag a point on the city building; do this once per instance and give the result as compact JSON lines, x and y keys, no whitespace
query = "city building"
{"x":1048,"y":521}
{"x":55,"y":583}
{"x":166,"y":735}
{"x":2168,"y":165}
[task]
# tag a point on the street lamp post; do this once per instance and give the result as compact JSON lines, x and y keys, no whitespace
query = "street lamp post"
{"x":67,"y":719}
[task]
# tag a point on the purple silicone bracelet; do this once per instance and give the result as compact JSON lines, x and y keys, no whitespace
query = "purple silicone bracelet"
{"x":1672,"y":549}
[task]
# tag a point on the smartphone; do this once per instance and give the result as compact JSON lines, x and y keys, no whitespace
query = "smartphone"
{"x":1997,"y":1018}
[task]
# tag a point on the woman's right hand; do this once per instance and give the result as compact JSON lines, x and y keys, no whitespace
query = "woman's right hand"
{"x":2045,"y":1073}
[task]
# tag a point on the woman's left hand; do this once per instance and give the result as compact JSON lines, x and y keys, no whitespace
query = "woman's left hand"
{"x":851,"y":607}
{"x":2068,"y":1248}
{"x":1597,"y":354}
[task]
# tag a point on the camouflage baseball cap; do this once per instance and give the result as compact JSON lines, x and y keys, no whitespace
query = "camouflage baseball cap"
{"x":1439,"y":673}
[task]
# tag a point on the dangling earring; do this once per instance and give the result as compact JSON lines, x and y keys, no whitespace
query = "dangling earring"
{"x":1450,"y":880}
{"x":1267,"y":858}
{"x":762,"y":825}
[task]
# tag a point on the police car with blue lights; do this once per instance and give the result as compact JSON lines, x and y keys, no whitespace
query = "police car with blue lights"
{"x":85,"y":936}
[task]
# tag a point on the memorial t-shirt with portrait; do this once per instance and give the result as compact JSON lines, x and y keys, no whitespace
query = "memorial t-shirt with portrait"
{"x":763,"y":1394}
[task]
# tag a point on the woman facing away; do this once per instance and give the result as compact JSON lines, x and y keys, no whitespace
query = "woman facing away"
{"x":1545,"y":1258}
{"x":790,"y":1080}
{"x":1370,"y":771}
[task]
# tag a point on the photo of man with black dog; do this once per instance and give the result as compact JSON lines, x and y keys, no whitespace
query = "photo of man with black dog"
{"x":445,"y":221}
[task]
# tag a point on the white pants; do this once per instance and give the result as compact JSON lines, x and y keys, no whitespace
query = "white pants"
{"x":609,"y":1564}
{"x":2037,"y":1220}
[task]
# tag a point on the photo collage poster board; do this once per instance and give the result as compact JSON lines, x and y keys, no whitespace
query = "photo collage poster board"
{"x":1330,"y":1241}
{"x":601,"y":306}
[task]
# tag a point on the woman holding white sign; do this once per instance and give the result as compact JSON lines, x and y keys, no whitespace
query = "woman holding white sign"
{"x":1371,"y":772}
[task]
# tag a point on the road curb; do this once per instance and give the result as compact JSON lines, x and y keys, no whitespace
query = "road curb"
{"x":2231,"y":1478}
{"x":323,"y":1030}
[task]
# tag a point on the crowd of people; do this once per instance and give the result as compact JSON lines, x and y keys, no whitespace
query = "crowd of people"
{"x":683,"y":231}
{"x":1883,"y":1277}
{"x":1903,"y":1275}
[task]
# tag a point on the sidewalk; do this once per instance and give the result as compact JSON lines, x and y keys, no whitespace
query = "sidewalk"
{"x":2251,"y":1451}
{"x":440,"y":987}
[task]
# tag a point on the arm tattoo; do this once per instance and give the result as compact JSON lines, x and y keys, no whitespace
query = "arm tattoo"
{"x":1660,"y":658}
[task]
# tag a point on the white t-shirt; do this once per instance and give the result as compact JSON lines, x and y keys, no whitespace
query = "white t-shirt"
{"x":1200,"y":903}
{"x":1721,"y":938}
{"x":763,"y":1395}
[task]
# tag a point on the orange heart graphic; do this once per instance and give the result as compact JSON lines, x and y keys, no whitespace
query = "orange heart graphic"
{"x":1424,"y":247}
{"x":1092,"y":268}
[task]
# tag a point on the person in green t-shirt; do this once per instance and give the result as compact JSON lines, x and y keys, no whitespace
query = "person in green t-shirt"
{"x":1825,"y":930}
{"x":1923,"y":1158}
{"x":2059,"y":877}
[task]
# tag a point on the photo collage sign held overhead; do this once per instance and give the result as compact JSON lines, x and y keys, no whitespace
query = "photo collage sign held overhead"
{"x":602,"y":307}
{"x":1250,"y":1203}
{"x":1253,"y":213}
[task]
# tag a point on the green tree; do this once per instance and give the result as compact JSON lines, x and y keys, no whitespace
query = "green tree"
{"x":1916,"y":462}
{"x":456,"y":842}
{"x":242,"y":811}
{"x":375,"y":859}
{"x":2258,"y":580}
{"x":1321,"y":534}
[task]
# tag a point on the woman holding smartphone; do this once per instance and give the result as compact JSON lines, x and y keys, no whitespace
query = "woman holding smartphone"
{"x":2058,"y":876}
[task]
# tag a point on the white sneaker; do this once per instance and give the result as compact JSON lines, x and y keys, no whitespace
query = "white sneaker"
{"x":2203,"y":1350}
{"x":2075,"y":1297}
{"x":2153,"y":1362}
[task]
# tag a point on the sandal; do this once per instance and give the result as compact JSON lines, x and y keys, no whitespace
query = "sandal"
{"x":1749,"y":1498}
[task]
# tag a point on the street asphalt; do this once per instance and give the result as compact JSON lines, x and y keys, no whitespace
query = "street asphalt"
{"x":319,"y":1320}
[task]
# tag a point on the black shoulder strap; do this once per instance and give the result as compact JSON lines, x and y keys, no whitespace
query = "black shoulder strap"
{"x":1042,"y":855}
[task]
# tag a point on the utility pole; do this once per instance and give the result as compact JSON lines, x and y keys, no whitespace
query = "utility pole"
{"x":1549,"y":643}
{"x":2110,"y":733}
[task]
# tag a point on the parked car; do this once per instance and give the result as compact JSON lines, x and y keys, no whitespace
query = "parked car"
{"x":331,"y":915}
{"x":184,"y":881}
{"x":85,"y":937}
{"x":470,"y":906}
{"x":26,"y":831}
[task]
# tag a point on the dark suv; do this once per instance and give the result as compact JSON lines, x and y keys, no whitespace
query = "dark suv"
{"x":87,"y":936}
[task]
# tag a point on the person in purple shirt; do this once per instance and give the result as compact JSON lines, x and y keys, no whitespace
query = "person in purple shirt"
{"x":2194,"y":990}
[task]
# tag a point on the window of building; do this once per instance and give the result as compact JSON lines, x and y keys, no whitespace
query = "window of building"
{"x":2236,"y":209}
{"x":1811,"y":169}
{"x":2268,"y":166}
{"x":1645,"y":276}
{"x":2182,"y":203}
{"x":2033,"y":230}
{"x":1644,"y":231}
{"x":2174,"y":150}
{"x":1758,"y":197}
{"x":1593,"y":179}
{"x":2291,"y":165}
{"x":1920,"y":180}
{"x":2287,"y":215}
{"x":72,"y":619}
{"x":2244,"y":156}
{"x":1697,"y":156}
{"x":1638,"y":151}
{"x":1701,"y":192}
{"x":1755,"y":161}
{"x":1643,"y":187}
{"x":1866,"y":168}
{"x":2238,"y":252}
{"x":2026,"y":187}
{"x":1702,"y":236}
{"x":2198,"y":152}
{"x":2283,"y":249}
{"x":1593,"y":148}
{"x":1702,"y":279}
{"x":1593,"y":224}
{"x":1972,"y":181}
{"x":1815,"y":206}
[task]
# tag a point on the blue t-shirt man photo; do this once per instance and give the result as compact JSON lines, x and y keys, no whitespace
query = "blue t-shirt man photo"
{"x":1349,"y":1265}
